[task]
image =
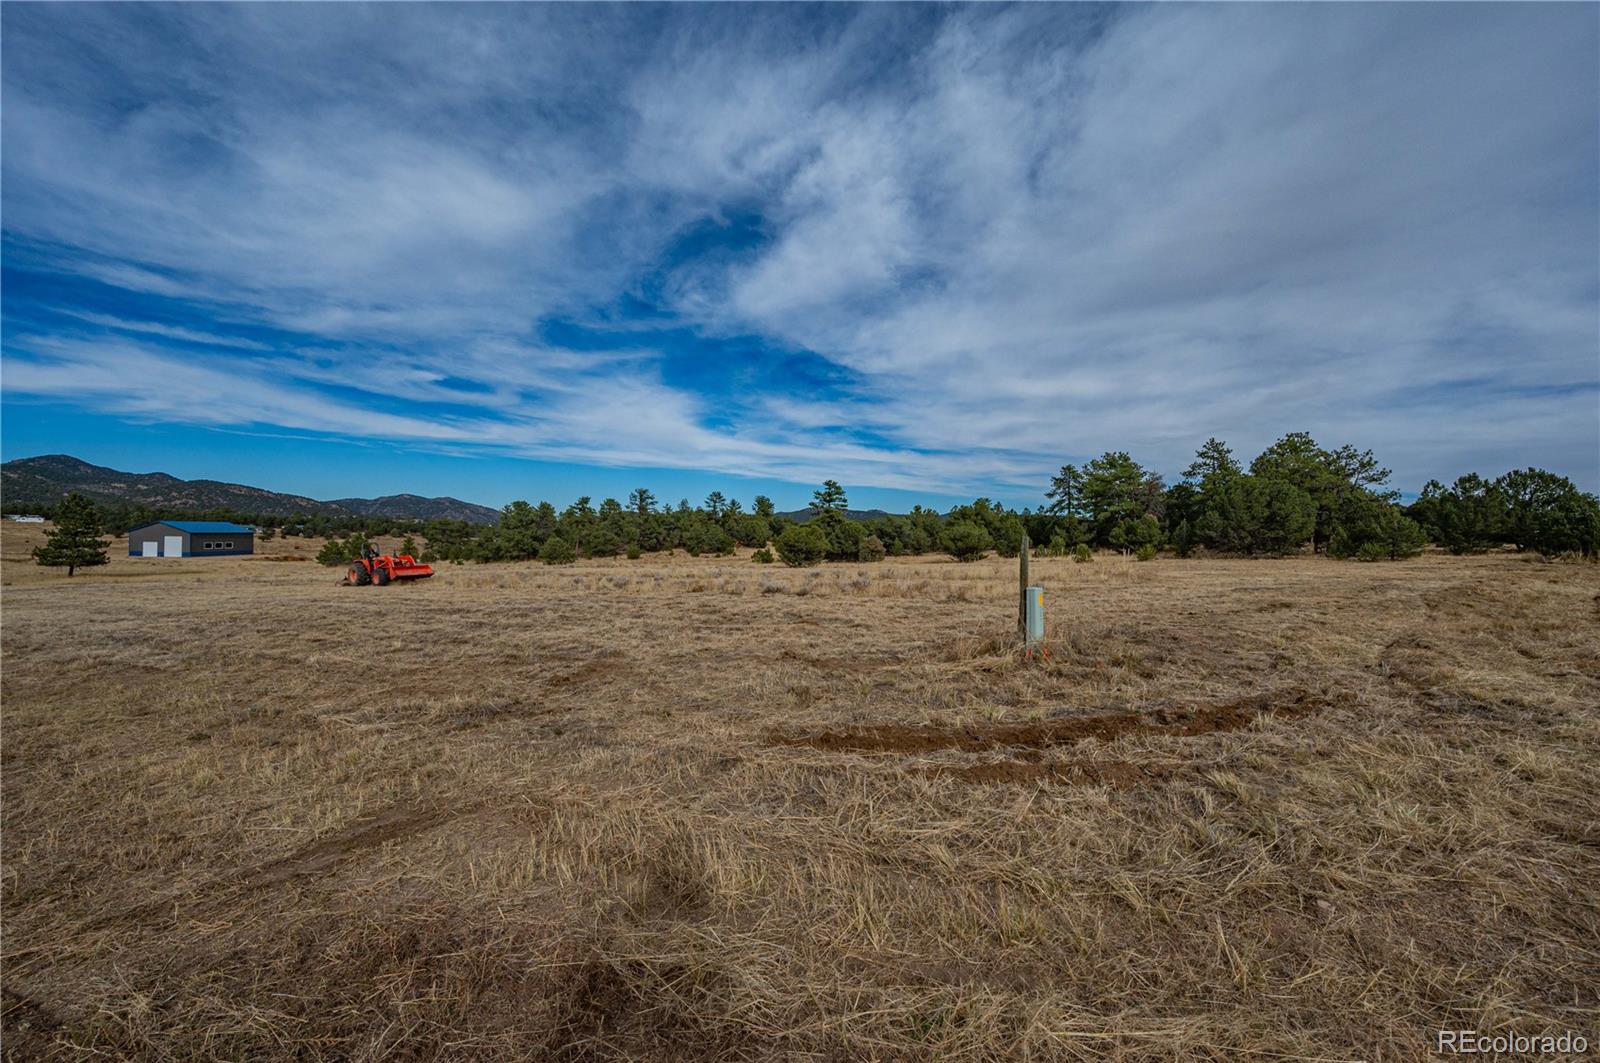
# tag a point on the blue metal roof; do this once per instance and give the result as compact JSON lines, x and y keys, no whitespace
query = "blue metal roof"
{"x":205,"y":527}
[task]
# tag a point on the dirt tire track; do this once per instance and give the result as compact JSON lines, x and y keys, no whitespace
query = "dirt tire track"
{"x":398,"y":821}
{"x":1183,"y":722}
{"x":1117,"y":774}
{"x":401,"y":820}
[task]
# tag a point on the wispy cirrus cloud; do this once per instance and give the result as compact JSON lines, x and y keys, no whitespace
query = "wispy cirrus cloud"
{"x":622,"y":420}
{"x":155,"y":328}
{"x":1016,"y":235}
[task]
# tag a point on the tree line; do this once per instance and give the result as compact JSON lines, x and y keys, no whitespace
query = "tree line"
{"x":1292,"y":496}
{"x":1297,"y":494}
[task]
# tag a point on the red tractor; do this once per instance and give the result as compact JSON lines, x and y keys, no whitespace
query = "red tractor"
{"x":373,"y":567}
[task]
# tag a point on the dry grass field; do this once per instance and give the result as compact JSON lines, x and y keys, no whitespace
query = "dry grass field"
{"x":704,"y":809}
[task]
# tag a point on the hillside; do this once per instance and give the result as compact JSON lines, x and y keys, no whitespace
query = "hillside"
{"x":803,"y":515}
{"x":49,"y":477}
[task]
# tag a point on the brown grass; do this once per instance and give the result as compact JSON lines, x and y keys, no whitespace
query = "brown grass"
{"x":705,"y":809}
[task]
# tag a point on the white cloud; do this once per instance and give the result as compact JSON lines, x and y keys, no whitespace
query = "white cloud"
{"x":1028,"y":233}
{"x":153,"y":328}
{"x":1219,"y":220}
{"x":614,"y":420}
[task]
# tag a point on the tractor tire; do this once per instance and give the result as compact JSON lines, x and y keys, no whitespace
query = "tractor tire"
{"x":358,"y":575}
{"x":380,"y":576}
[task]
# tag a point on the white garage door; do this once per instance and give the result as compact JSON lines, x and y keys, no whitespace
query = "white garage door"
{"x":150,"y":548}
{"x":174,"y":546}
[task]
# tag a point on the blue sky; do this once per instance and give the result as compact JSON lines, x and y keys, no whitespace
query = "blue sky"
{"x":538,"y":251}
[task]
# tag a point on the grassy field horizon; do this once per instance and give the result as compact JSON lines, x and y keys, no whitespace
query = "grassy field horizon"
{"x":699,"y":808}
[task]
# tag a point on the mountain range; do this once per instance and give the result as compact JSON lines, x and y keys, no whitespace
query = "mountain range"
{"x":50,"y":477}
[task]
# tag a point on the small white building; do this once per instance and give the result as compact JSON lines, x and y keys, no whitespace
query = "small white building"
{"x":24,"y":519}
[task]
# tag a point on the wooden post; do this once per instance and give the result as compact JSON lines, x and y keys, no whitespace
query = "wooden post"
{"x":1022,"y":590}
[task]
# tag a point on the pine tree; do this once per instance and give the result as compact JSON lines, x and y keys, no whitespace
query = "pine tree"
{"x":642,"y":500}
{"x":1547,"y":513}
{"x":1066,"y":492}
{"x":334,"y":552}
{"x":1330,"y":477}
{"x":75,"y":541}
{"x":1213,"y":465}
{"x":1117,"y":488}
{"x":830,"y":499}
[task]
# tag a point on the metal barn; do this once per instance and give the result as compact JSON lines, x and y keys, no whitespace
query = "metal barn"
{"x":191,"y":538}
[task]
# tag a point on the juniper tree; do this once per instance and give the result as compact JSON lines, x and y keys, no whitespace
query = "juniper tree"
{"x":748,"y":530}
{"x":557,"y":551}
{"x":802,"y":545}
{"x":601,"y":541}
{"x":844,"y":537}
{"x":1258,"y":515}
{"x":966,"y":540}
{"x":75,"y":541}
{"x":1007,"y":529}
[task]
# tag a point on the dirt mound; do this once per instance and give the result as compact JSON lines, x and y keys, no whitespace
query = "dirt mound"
{"x":1181,"y":721}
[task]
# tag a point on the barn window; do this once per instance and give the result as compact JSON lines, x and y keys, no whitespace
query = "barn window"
{"x":226,"y":546}
{"x":205,"y":546}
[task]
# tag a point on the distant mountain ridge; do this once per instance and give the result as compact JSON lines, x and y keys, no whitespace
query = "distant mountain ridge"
{"x":50,"y":477}
{"x":800,"y":516}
